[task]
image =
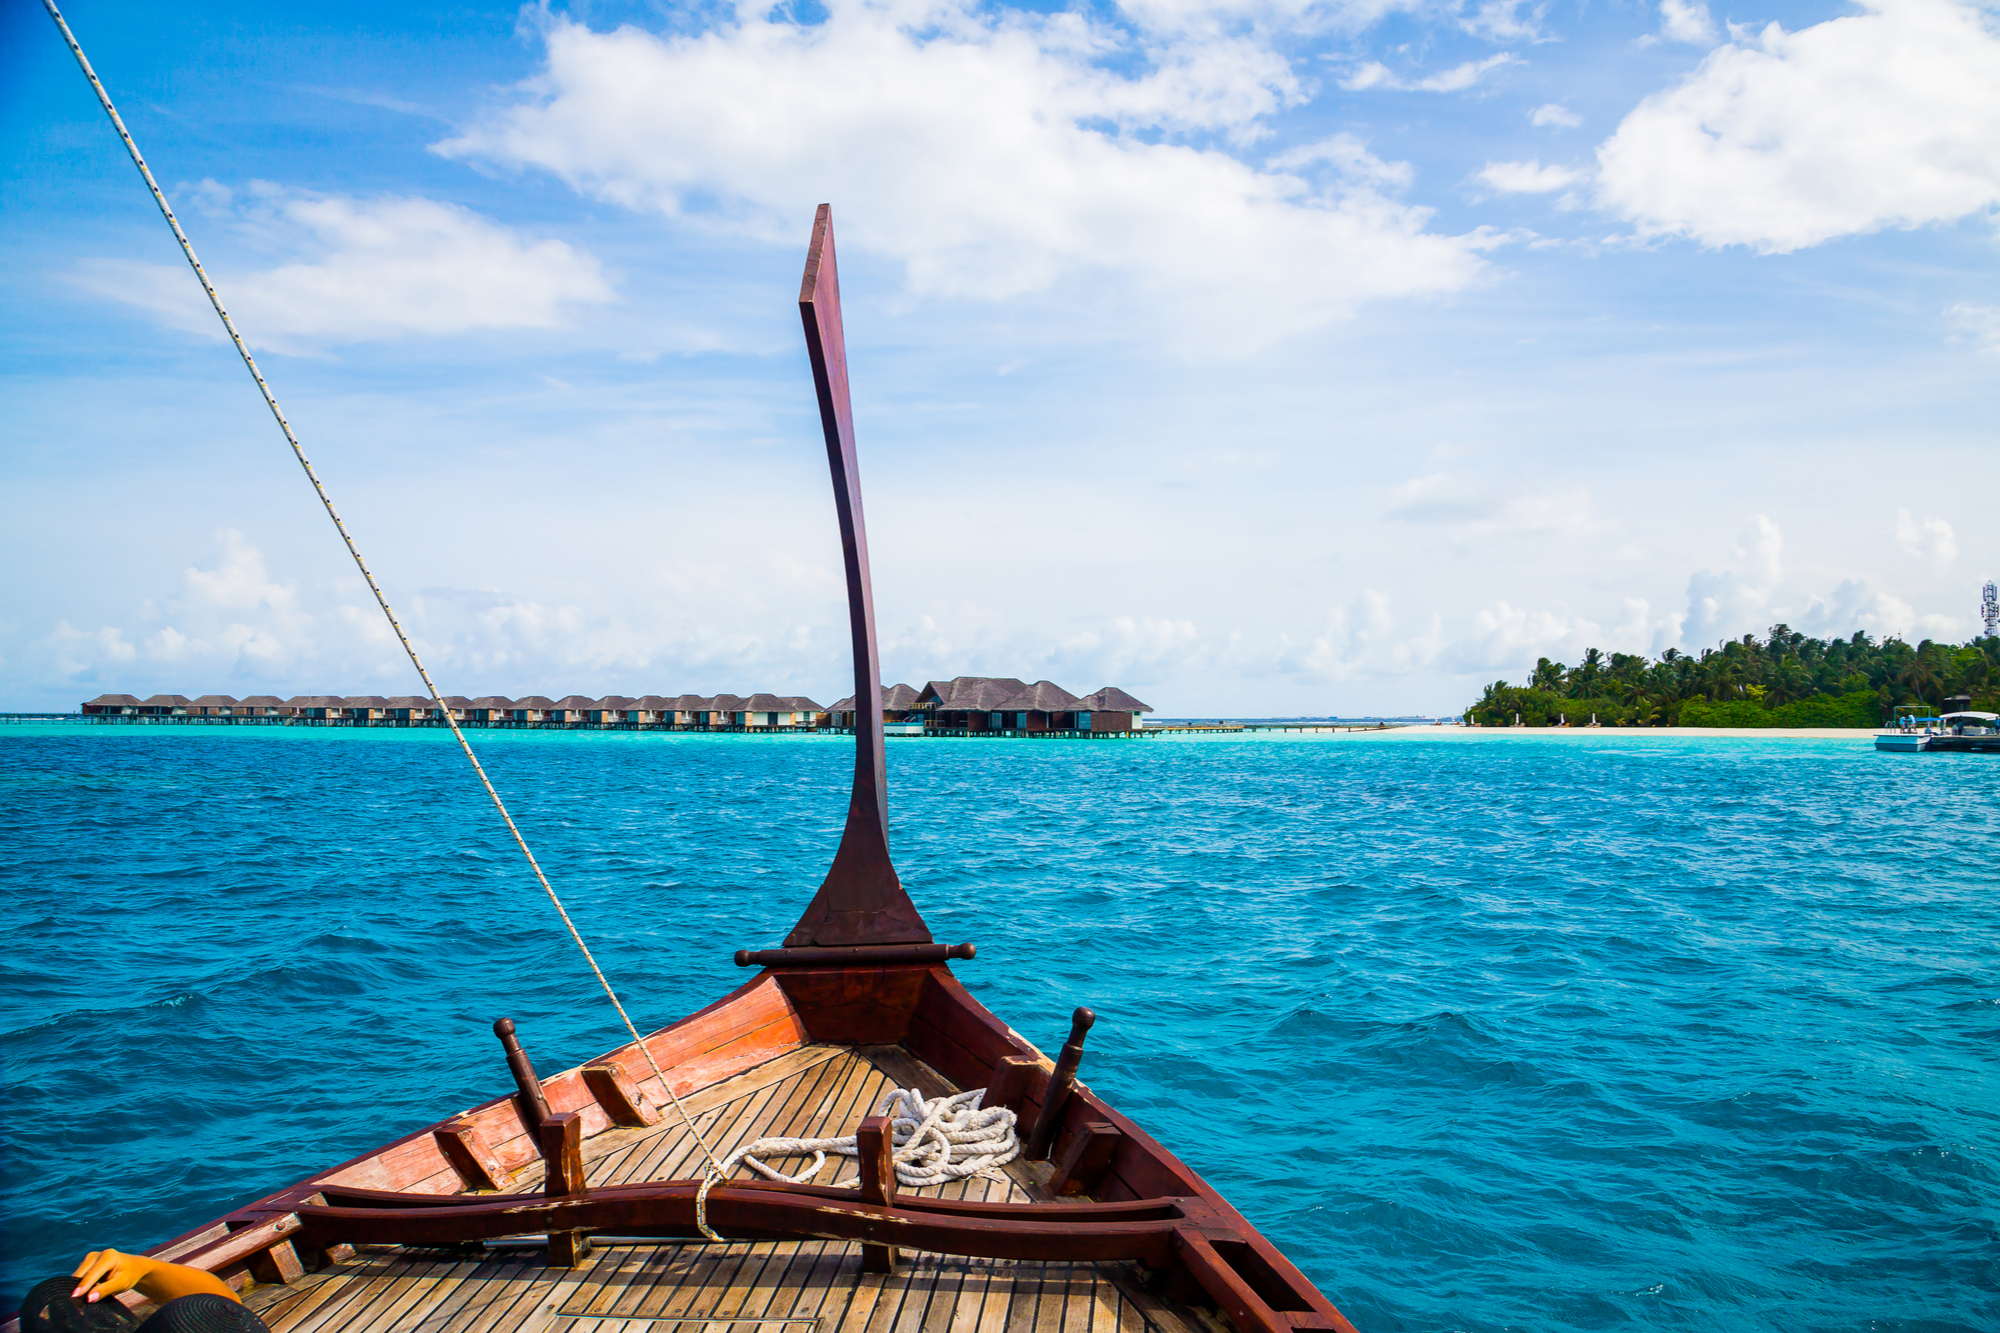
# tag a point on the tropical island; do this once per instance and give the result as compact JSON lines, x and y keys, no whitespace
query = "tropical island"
{"x":1786,"y":679}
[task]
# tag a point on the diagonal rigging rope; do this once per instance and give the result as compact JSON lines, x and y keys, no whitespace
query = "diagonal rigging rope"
{"x":715,"y":1170}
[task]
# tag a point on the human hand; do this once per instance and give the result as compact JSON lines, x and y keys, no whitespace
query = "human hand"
{"x":108,"y":1272}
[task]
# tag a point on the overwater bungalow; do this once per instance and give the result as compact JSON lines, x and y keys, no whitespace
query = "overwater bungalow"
{"x":769,"y":710}
{"x":572,"y":709}
{"x":112,"y":705}
{"x":1001,"y":704}
{"x":650,"y":710}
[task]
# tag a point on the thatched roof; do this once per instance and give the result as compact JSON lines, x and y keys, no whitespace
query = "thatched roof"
{"x":726,"y":703}
{"x":492,"y":701}
{"x":798,"y":703}
{"x":364,"y":701}
{"x":114,"y":701}
{"x":615,"y":701}
{"x":166,"y":701}
{"x":214,"y":701}
{"x":540,"y":702}
{"x":764,"y":703}
{"x":654,"y":703}
{"x":971,"y":694}
{"x":1044,"y":696}
{"x":1111,"y":699}
{"x":261,"y":701}
{"x":893,"y":696}
{"x":693,"y":703}
{"x":577,"y":702}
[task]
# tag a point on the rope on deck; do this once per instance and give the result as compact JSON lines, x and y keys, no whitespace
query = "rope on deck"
{"x":948,"y":1138}
{"x":715,"y":1167}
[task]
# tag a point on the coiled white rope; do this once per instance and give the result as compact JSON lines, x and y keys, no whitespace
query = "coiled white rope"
{"x":714,"y":1170}
{"x":945,"y":1138}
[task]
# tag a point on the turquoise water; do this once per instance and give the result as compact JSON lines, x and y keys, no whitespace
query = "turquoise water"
{"x":1515,"y":1033}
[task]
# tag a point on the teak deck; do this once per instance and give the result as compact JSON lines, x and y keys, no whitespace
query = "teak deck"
{"x":766,"y":1287}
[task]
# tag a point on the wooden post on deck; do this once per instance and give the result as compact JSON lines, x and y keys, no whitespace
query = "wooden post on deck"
{"x":562,"y":1149}
{"x":1056,"y":1095}
{"x":876,"y":1140}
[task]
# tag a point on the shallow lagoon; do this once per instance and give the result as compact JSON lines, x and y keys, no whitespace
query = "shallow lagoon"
{"x":1530,"y":1033}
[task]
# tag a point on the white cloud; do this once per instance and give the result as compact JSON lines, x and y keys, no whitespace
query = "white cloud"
{"x":1856,"y":604}
{"x":1978,"y":324}
{"x":1930,"y":540}
{"x":1479,"y":507}
{"x":1682,"y":21}
{"x":230,"y":618}
{"x":1201,"y":17}
{"x":1503,"y":21}
{"x":989,"y":153}
{"x":1351,"y":158}
{"x":1890,"y":118}
{"x":1530,"y":177}
{"x":1374,"y":74}
{"x":372,"y":268}
{"x":1554,"y":113}
{"x":1725,"y":603}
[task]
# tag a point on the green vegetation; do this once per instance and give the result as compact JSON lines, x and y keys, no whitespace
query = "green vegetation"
{"x":1784,"y":680}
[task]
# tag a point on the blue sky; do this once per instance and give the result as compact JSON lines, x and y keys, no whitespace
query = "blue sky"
{"x":1256,"y":355}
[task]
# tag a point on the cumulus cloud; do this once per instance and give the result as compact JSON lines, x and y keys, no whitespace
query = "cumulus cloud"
{"x":372,"y":268}
{"x":225,"y":620}
{"x":1681,"y":21}
{"x":1727,"y":602}
{"x":991,"y":153}
{"x":1889,"y":118}
{"x":1857,"y":604}
{"x":1931,"y":540}
{"x":1530,"y":177}
{"x":1554,"y":113}
{"x":1458,"y":78}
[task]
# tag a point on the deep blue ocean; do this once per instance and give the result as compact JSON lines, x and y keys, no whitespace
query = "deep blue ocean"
{"x":1508,"y":1033}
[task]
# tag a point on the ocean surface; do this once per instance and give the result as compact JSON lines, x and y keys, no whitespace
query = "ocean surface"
{"x":1549,"y":1033}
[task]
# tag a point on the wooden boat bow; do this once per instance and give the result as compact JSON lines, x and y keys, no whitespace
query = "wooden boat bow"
{"x":858,"y":998}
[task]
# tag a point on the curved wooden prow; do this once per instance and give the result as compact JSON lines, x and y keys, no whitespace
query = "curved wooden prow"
{"x":861,"y":901}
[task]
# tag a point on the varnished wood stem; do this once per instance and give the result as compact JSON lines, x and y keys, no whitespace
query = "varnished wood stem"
{"x":1060,"y":1083}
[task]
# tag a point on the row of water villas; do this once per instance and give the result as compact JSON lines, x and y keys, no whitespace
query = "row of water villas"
{"x":964,"y":705}
{"x":756,"y":712}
